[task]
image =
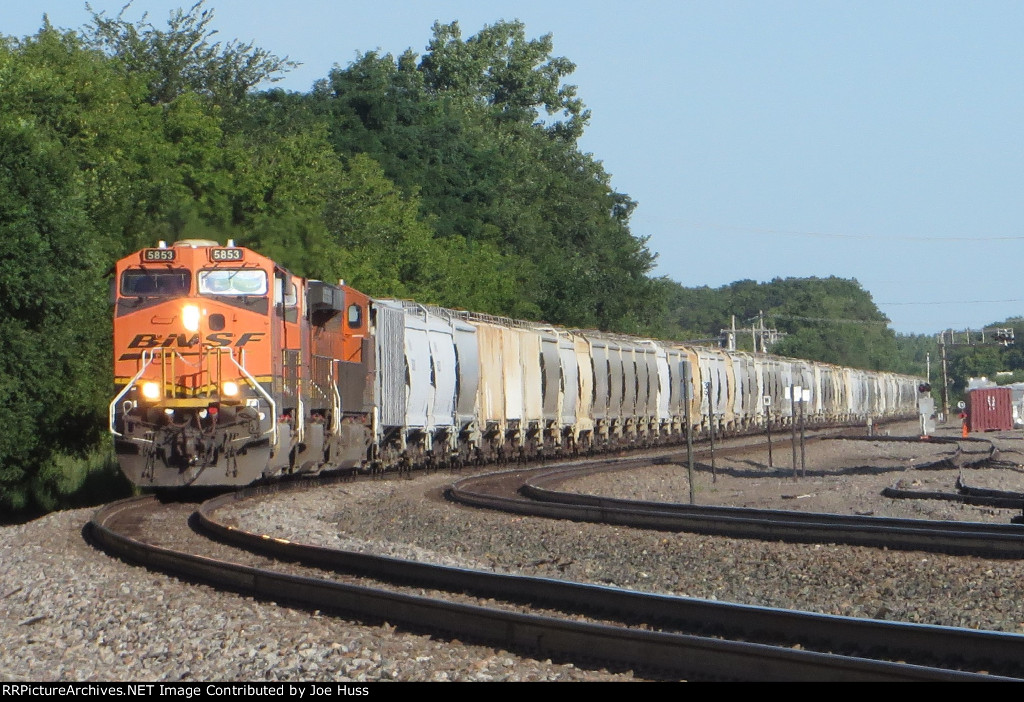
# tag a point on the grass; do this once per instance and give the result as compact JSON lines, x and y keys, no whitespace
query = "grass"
{"x":66,"y":481}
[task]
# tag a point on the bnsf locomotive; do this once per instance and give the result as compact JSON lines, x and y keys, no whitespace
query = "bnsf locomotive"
{"x":229,"y":369}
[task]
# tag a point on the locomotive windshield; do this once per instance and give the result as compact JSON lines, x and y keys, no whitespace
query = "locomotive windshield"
{"x":139,"y":282}
{"x":223,"y":281}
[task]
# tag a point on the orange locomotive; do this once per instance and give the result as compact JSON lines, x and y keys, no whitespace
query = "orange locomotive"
{"x":229,"y":369}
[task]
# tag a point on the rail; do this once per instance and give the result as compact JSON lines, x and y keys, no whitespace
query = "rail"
{"x":663,"y":646}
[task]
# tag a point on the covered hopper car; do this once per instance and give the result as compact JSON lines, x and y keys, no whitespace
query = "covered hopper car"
{"x":228,"y":370}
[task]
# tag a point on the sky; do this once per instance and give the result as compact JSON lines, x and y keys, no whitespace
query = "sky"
{"x":876,"y":140}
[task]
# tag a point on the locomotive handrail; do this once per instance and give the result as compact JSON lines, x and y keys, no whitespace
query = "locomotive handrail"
{"x":128,"y":386}
{"x":336,"y":414}
{"x":197,"y":354}
{"x":258,"y":388}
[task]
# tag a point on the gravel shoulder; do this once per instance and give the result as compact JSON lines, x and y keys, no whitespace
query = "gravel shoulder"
{"x":71,"y":613}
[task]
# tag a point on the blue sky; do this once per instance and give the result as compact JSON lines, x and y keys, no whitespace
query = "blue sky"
{"x":882,"y":141}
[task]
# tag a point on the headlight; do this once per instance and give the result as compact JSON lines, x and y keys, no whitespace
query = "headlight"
{"x":151,"y":391}
{"x":190,"y":317}
{"x":230,"y":388}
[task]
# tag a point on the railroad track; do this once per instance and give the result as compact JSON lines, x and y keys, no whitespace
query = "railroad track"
{"x":659,"y":636}
{"x":530,"y":492}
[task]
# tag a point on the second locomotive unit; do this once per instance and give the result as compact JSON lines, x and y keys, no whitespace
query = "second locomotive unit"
{"x":229,"y":369}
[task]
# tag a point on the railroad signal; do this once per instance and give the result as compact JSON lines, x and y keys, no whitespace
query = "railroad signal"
{"x":1004,"y":336}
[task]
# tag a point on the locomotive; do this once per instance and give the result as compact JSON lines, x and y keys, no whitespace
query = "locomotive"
{"x":229,"y":369}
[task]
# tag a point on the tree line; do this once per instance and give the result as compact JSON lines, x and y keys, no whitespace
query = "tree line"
{"x":453,"y":177}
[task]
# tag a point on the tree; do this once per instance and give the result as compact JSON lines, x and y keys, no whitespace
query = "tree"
{"x":54,"y":349}
{"x":825,"y":319}
{"x":183,"y":58}
{"x":500,"y":68}
{"x":461,"y":131}
{"x":379,"y":243}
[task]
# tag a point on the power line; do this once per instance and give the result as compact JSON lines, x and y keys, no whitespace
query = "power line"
{"x":952,"y":302}
{"x":834,"y":235}
{"x":890,"y":237}
{"x":826,"y":320}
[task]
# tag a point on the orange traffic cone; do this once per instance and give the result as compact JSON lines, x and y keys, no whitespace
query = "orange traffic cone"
{"x":965,"y":430}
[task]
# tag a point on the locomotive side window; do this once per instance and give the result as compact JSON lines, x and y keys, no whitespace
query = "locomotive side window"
{"x":284,"y":291}
{"x":355,"y":316}
{"x":162,"y":283}
{"x":233,"y":282}
{"x":286,"y":298}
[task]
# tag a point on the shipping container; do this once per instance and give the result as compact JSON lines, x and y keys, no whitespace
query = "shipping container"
{"x":989,"y":409}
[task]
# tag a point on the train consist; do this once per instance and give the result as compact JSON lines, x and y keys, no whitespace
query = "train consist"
{"x":228,"y":369}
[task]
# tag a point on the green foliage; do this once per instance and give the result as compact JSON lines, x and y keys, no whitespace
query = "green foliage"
{"x":461,"y":131}
{"x":181,"y":59}
{"x":826,"y":319}
{"x":54,"y":349}
{"x":1009,"y":377}
{"x":66,"y":481}
{"x":977,"y":359}
{"x":500,"y":68}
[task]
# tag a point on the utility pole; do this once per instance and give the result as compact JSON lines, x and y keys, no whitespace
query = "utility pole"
{"x":711,"y":434}
{"x":804,"y":397}
{"x":685,"y":366}
{"x":795,"y":392}
{"x":945,"y":378}
{"x":760,"y":335}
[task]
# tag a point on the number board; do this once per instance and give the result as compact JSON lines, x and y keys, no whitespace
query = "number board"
{"x":157,"y":255}
{"x":218,"y":255}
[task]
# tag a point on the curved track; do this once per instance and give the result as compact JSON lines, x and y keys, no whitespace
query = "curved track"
{"x":531,"y":493}
{"x":694,"y":639}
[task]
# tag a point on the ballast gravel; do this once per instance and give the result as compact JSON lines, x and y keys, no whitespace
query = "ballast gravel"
{"x":69,"y":612}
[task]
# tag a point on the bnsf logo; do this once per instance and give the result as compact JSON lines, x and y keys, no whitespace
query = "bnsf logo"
{"x":150,"y":341}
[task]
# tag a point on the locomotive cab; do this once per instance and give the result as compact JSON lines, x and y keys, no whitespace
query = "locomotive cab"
{"x":193,"y":333}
